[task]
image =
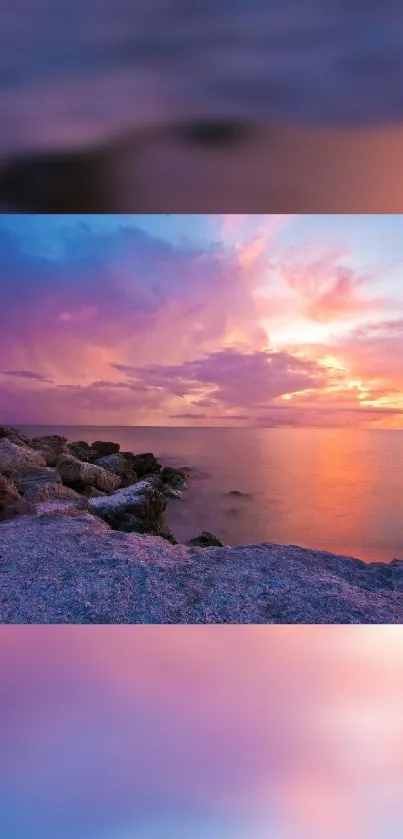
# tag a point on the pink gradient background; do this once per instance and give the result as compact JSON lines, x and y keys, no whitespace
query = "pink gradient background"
{"x":119,"y":733}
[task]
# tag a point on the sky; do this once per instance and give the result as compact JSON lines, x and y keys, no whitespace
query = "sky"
{"x":207,"y":732}
{"x":214,"y":320}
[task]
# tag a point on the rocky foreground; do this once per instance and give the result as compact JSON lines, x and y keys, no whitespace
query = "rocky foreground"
{"x":83,"y":540}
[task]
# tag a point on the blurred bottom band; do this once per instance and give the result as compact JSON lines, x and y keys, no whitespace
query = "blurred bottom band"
{"x":215,"y":167}
{"x":210,"y":732}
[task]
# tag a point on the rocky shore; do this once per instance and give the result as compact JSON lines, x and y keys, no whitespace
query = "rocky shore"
{"x":83,"y":540}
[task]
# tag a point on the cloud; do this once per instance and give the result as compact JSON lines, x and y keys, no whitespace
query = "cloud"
{"x":122,"y":320}
{"x":327,"y":287}
{"x":235,"y":378}
{"x":25,"y":374}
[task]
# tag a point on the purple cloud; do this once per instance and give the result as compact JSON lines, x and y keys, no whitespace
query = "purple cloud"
{"x":235,"y":378}
{"x":25,"y":374}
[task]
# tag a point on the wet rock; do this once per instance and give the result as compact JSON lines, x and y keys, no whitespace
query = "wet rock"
{"x":78,"y":475}
{"x":170,"y":492}
{"x":144,"y":464}
{"x":141,"y":499}
{"x":206,"y":540}
{"x":137,"y":508}
{"x":16,"y":459}
{"x":119,"y":464}
{"x":237,"y":492}
{"x":176,"y":478}
{"x":103,"y":449}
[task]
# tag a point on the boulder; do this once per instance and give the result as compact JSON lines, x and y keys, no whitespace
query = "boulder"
{"x":206,"y":540}
{"x":78,"y":475}
{"x":137,"y":508}
{"x":239,"y":494}
{"x":16,"y":459}
{"x":119,"y":464}
{"x":61,"y":569}
{"x":62,"y":506}
{"x":14,"y":435}
{"x":144,"y":464}
{"x":170,"y":492}
{"x":81,"y":450}
{"x":91,"y":492}
{"x":52,"y":446}
{"x":176,"y":478}
{"x":141,"y":499}
{"x":11,"y":503}
{"x":103,"y":449}
{"x":45,"y":484}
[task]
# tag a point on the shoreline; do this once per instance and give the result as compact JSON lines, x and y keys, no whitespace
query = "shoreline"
{"x":75,"y":569}
{"x":83,"y":539}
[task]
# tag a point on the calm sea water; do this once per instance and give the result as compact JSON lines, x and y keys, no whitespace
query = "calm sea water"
{"x":329,"y":489}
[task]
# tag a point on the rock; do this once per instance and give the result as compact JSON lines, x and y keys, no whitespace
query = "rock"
{"x":81,"y":450}
{"x":75,"y":569}
{"x":170,"y":492}
{"x":78,"y":475}
{"x":45,"y":484}
{"x":16,"y":459}
{"x":119,"y":464}
{"x":11,"y":503}
{"x":52,"y":447}
{"x":102,"y":449}
{"x":141,"y":499}
{"x":62,"y":507}
{"x":129,"y":523}
{"x":176,"y":478}
{"x":14,"y":435}
{"x":91,"y":492}
{"x":136,"y":508}
{"x":144,"y":464}
{"x":239,"y":493}
{"x":206,"y":540}
{"x":8,"y":492}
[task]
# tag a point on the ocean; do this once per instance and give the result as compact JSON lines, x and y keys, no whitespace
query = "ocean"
{"x":327,"y":489}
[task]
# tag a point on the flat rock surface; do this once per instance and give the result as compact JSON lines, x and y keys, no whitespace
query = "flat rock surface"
{"x":57,"y":569}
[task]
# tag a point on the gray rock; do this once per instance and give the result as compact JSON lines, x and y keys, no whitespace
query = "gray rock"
{"x":144,"y":464}
{"x":238,"y":493}
{"x":11,"y":503}
{"x":91,"y":492}
{"x":141,"y":499}
{"x":52,"y":446}
{"x":45,"y":484}
{"x":119,"y":464}
{"x":81,"y":450}
{"x":15,"y":460}
{"x":206,"y":540}
{"x":103,"y":449}
{"x":14,"y":435}
{"x":176,"y":478}
{"x":78,"y":474}
{"x":62,"y":569}
{"x":170,"y":492}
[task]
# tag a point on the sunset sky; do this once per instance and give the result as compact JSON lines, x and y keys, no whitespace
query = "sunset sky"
{"x":201,"y":320}
{"x":201,"y":732}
